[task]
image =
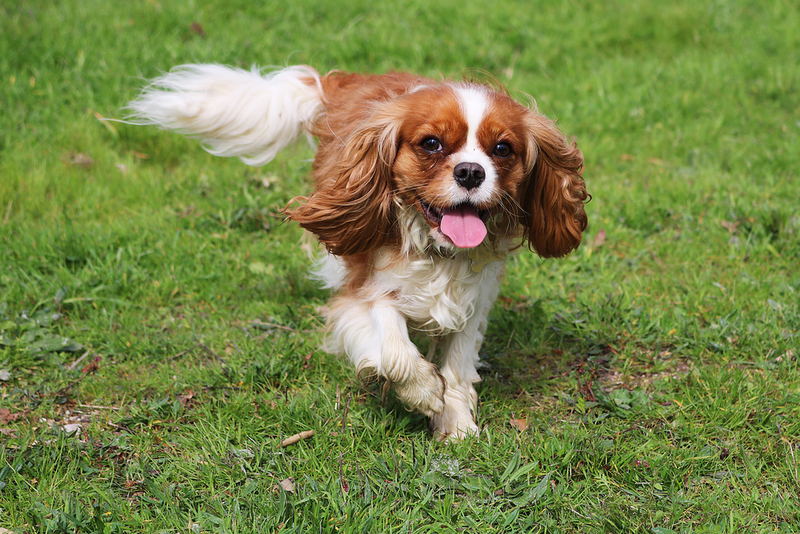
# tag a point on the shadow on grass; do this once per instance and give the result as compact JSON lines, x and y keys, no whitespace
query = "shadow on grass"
{"x":530,"y":350}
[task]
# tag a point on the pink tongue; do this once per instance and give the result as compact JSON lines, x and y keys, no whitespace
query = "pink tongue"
{"x":463,"y":226}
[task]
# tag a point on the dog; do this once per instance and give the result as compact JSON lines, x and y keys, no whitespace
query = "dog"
{"x":422,"y":189}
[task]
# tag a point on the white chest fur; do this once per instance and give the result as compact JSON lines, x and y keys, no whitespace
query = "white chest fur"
{"x":437,"y":295}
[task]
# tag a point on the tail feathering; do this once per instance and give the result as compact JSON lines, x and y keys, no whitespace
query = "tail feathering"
{"x":233,"y":112}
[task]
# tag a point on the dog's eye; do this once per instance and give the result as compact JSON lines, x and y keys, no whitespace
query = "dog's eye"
{"x":431,"y":144}
{"x":502,"y":150}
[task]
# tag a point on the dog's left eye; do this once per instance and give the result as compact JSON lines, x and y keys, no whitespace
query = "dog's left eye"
{"x":502,"y":150}
{"x":431,"y":144}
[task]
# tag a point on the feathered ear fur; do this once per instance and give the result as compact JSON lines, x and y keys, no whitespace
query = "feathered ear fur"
{"x":352,"y":208}
{"x":555,"y":192}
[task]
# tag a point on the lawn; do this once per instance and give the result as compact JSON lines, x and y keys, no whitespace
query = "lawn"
{"x":159,"y":335}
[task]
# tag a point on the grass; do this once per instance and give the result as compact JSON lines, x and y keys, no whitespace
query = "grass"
{"x":152,"y":297}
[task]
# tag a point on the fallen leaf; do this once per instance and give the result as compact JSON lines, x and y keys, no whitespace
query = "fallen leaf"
{"x":6,"y":416}
{"x":186,"y":398}
{"x":520,"y":424}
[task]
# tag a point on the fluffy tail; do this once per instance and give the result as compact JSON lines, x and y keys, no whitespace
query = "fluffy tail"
{"x":233,"y":112}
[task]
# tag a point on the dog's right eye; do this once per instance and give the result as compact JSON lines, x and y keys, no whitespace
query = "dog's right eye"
{"x":431,"y":144}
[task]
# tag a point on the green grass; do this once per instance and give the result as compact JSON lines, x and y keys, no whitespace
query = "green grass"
{"x":152,"y":295}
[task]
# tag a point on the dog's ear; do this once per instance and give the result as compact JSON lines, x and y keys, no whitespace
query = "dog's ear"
{"x":352,"y":209}
{"x":554,"y":192}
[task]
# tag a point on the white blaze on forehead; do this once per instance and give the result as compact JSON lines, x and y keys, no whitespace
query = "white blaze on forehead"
{"x":474,"y":104}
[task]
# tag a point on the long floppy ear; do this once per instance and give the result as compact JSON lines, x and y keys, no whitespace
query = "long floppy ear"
{"x":554,"y":194}
{"x":351,"y":211}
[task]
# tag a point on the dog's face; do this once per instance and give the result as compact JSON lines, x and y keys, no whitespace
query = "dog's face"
{"x":474,"y":164}
{"x":462,"y":158}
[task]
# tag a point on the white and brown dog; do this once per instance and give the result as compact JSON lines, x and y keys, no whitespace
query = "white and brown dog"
{"x":422,"y":188}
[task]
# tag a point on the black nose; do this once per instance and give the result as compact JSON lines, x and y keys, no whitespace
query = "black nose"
{"x":469,"y":175}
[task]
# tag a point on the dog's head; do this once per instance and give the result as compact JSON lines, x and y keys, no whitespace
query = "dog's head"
{"x":468,"y":161}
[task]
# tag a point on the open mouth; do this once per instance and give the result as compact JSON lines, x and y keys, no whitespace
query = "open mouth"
{"x":435,"y":215}
{"x":463,"y":224}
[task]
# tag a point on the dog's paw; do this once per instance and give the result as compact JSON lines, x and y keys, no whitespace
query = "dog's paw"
{"x":423,"y":389}
{"x":449,"y":426}
{"x":457,"y":421}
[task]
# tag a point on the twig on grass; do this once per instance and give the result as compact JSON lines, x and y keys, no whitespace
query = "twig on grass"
{"x":181,"y":353}
{"x":95,"y":407}
{"x":118,"y":427}
{"x":291,"y":440}
{"x":511,"y":337}
{"x":273,"y":325}
{"x":61,"y":392}
{"x":74,"y":364}
{"x":210,"y":352}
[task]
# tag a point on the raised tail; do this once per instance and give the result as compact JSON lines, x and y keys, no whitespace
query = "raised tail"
{"x":233,"y":112}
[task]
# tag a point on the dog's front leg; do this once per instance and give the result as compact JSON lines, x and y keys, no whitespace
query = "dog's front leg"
{"x":459,"y":364}
{"x":459,"y":360}
{"x":375,"y":337}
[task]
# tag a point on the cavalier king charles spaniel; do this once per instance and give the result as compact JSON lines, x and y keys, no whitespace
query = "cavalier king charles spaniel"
{"x":421,"y":190}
